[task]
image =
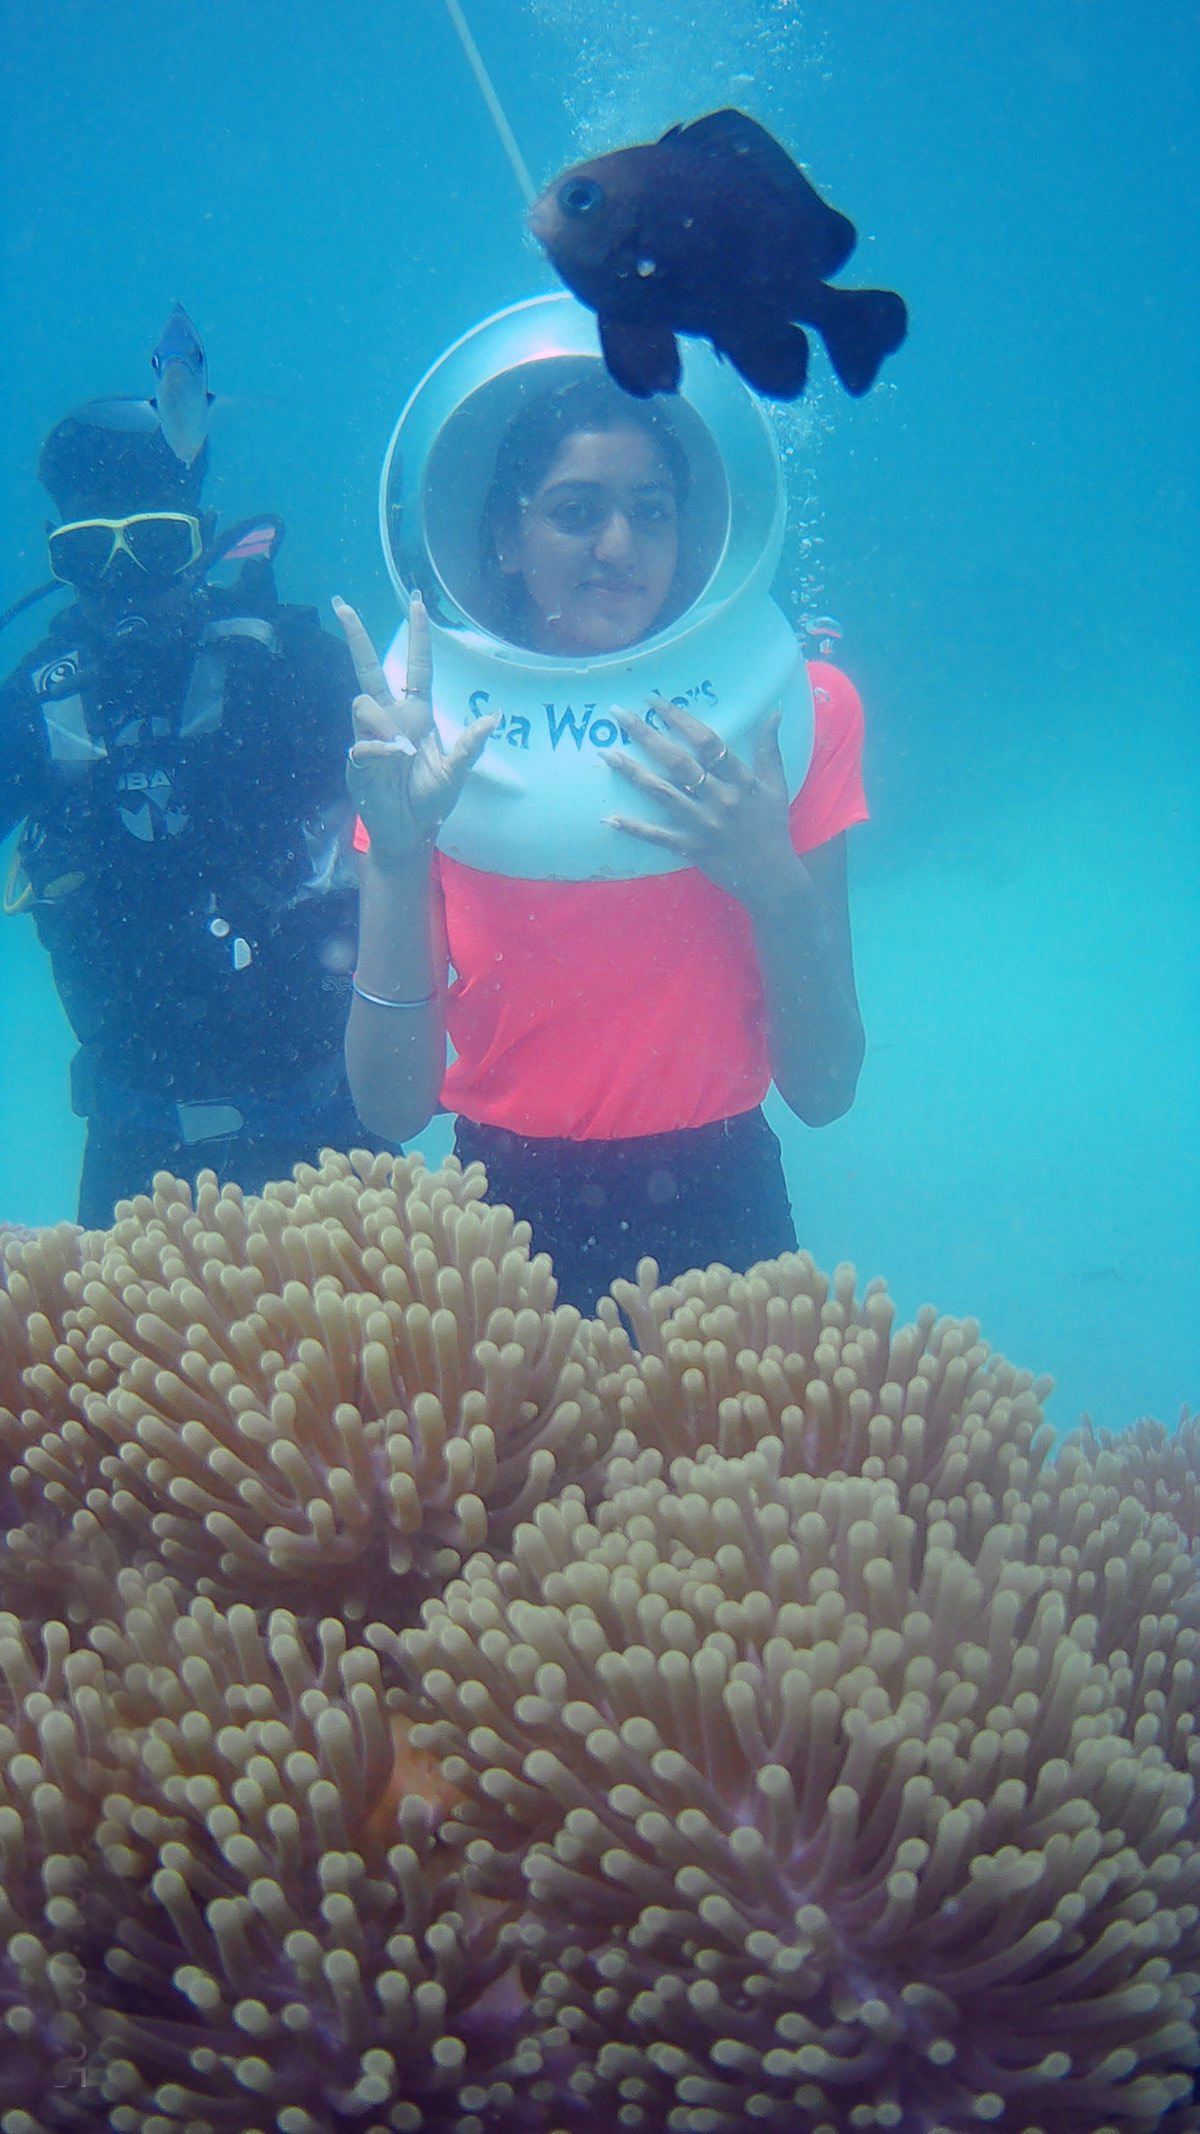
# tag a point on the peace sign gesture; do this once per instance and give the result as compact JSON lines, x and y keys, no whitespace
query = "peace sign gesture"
{"x":400,"y":778}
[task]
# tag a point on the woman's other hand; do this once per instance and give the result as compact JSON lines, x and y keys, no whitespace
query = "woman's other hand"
{"x":730,"y":822}
{"x":733,"y":824}
{"x":400,"y":778}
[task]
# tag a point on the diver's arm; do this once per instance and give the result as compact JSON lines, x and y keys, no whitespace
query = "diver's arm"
{"x":396,"y":1056}
{"x":20,"y":753}
{"x":815,"y":1041}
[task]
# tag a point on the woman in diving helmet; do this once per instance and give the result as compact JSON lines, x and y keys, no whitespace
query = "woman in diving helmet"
{"x":612,"y":1039}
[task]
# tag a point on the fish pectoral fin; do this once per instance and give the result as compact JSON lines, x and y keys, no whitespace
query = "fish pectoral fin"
{"x":771,"y":354}
{"x":125,"y":414}
{"x":641,"y":359}
{"x":859,"y":328}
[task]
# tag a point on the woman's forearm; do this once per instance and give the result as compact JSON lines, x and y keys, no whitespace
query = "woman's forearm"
{"x":814,"y":1030}
{"x":396,"y":1056}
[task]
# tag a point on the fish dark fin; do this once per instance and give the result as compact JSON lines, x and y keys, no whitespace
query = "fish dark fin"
{"x":771,"y":355}
{"x":859,"y":328}
{"x":641,"y":359}
{"x":829,"y":237}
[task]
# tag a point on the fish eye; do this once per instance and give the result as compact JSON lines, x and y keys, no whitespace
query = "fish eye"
{"x":580,"y":196}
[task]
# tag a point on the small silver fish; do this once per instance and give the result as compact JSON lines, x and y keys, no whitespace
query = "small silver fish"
{"x":182,"y":400}
{"x":182,"y":404}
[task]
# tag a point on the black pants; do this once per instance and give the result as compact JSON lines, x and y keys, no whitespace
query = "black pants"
{"x":597,"y":1207}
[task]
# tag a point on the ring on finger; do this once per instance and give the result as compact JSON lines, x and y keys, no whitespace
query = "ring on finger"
{"x":718,"y":759}
{"x":697,"y":785}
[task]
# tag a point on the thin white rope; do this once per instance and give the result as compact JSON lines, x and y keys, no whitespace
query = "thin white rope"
{"x":490,"y":98}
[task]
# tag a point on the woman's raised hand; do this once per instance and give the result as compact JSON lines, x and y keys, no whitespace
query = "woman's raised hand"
{"x":400,"y":778}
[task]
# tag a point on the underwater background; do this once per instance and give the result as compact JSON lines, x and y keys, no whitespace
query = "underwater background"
{"x":1005,"y":530}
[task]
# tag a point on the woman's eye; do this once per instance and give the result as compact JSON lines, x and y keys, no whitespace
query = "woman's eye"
{"x":585,"y":515}
{"x":573,"y":517}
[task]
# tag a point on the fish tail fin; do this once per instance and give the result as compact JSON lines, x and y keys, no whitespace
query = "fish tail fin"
{"x":859,"y":328}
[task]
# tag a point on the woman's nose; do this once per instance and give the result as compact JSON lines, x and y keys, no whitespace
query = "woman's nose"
{"x":615,"y":537}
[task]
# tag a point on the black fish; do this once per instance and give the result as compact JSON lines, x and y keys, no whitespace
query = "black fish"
{"x":713,"y":231}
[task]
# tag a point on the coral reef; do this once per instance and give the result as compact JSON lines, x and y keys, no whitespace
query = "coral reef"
{"x":421,"y":1709}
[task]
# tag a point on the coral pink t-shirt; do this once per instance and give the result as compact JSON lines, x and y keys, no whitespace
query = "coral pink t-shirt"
{"x":598,"y":1010}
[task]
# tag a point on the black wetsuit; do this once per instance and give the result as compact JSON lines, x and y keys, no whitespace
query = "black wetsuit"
{"x":183,"y":856}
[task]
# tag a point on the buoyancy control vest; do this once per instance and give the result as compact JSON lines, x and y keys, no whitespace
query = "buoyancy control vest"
{"x":117,"y":715}
{"x":186,"y":824}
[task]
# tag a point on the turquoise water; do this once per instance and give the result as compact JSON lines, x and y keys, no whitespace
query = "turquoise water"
{"x":1006,"y":531}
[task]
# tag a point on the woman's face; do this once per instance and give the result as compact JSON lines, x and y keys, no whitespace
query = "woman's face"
{"x":598,"y":543}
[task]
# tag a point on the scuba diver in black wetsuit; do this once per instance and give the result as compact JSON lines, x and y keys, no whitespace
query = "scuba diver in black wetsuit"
{"x":176,"y":749}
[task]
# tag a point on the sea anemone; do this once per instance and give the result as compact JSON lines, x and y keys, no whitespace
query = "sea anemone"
{"x":1160,"y":1467}
{"x":825,"y":1823}
{"x":428,"y":1711}
{"x":281,"y":1953}
{"x":322,"y":1397}
{"x":785,"y":1351}
{"x":49,"y":1546}
{"x":58,"y":1757}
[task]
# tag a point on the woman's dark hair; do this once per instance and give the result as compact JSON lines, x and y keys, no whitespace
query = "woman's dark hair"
{"x":528,"y":450}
